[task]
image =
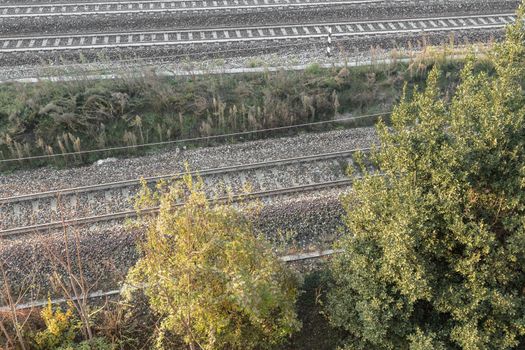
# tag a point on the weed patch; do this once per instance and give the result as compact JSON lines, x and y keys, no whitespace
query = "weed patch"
{"x":50,"y":118}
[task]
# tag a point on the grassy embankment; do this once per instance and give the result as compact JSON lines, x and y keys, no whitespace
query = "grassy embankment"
{"x":56,"y":118}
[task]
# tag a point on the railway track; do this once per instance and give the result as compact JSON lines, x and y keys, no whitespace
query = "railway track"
{"x":36,"y":8}
{"x":168,"y":6}
{"x":113,"y":201}
{"x":254,"y":34}
{"x":132,"y":213}
{"x":309,"y":255}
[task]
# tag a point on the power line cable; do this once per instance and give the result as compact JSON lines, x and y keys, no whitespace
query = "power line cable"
{"x":196,"y":139}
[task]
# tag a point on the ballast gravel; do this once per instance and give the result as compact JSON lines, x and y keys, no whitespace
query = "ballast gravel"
{"x":106,"y":251}
{"x":173,"y":161}
{"x":214,"y":17}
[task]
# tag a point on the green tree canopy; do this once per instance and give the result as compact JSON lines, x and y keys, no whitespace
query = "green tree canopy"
{"x":213,"y":281}
{"x":436,"y":258}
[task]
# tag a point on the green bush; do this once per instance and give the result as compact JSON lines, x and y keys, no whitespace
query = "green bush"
{"x":61,"y":331}
{"x":94,"y":344}
{"x":210,"y":278}
{"x":437,"y":252}
{"x":61,"y":328}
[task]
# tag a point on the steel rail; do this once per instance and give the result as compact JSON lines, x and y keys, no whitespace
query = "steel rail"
{"x":195,"y":2}
{"x":214,"y":36}
{"x":107,"y":198}
{"x":309,"y":255}
{"x":322,"y":25}
{"x":155,"y":7}
{"x":204,"y":172}
{"x":132,"y":213}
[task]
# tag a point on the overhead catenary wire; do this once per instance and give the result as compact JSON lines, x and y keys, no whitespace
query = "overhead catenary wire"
{"x":195,"y":139}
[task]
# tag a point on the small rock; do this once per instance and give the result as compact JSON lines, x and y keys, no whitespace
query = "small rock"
{"x":104,"y":161}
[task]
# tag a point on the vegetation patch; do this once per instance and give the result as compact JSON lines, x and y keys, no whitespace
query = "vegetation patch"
{"x":50,"y":118}
{"x":435,"y":259}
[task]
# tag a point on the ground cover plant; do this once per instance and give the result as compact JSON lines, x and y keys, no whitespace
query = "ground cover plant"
{"x":436,"y":255}
{"x":51,"y":118}
{"x":133,"y":325}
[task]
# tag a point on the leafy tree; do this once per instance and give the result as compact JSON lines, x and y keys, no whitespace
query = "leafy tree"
{"x":213,"y":281}
{"x":436,"y":259}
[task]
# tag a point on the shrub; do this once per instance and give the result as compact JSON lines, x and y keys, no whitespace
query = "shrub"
{"x":436,"y":255}
{"x":214,"y":283}
{"x":61,"y":328}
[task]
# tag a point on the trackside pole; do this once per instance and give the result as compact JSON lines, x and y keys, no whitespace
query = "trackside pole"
{"x":329,"y":43}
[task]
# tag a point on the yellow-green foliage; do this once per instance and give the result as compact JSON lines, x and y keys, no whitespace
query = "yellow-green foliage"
{"x":437,"y":252}
{"x":60,"y":328}
{"x":215,"y":284}
{"x":61,"y":331}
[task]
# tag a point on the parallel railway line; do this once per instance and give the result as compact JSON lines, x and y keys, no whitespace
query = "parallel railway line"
{"x":166,"y":6}
{"x":114,"y":4}
{"x":253,"y":34}
{"x":310,"y":255}
{"x":110,"y":201}
{"x":119,"y":216}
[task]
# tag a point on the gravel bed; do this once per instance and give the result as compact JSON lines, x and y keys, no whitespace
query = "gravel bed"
{"x":99,"y":202}
{"x":314,"y":220}
{"x":33,"y":2}
{"x":224,"y":57}
{"x":179,"y":65}
{"x":152,"y":20}
{"x":247,"y":48}
{"x":304,"y":267}
{"x":172,"y":161}
{"x":108,"y":250}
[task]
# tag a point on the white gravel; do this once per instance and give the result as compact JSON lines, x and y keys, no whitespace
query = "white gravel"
{"x":172,"y":161}
{"x":108,"y":250}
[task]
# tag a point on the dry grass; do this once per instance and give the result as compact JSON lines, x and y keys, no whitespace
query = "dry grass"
{"x":57,"y":118}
